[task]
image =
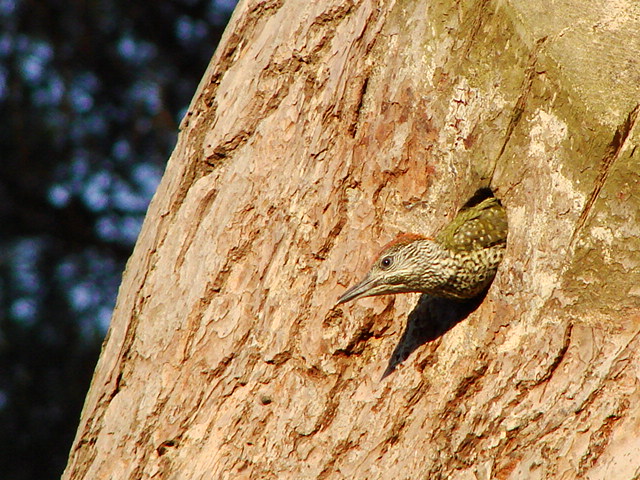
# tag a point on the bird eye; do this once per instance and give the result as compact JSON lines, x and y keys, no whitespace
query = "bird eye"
{"x":386,"y":262}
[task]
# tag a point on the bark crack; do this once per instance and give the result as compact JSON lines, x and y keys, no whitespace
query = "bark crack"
{"x":362,"y":92}
{"x":525,"y":91}
{"x":201,"y":211}
{"x":551,"y":369}
{"x":614,"y":151}
{"x":482,"y":16}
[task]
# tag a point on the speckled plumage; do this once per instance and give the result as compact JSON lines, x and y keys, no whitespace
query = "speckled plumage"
{"x":460,"y":263}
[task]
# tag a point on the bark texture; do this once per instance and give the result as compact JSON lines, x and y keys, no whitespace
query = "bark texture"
{"x":321,"y":130}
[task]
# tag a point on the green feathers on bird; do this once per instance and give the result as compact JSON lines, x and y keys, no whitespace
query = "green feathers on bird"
{"x":475,"y":227}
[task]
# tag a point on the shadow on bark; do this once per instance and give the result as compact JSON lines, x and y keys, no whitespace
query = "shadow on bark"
{"x":431,"y":318}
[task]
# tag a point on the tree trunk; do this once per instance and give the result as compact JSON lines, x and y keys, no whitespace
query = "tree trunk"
{"x":320,"y":131}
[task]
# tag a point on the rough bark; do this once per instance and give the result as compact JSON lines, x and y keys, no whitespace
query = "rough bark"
{"x":322,"y":129}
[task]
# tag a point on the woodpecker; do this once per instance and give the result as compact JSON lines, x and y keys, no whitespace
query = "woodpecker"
{"x":458,"y":264}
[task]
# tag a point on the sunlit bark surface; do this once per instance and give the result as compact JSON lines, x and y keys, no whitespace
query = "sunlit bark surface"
{"x":320,"y":131}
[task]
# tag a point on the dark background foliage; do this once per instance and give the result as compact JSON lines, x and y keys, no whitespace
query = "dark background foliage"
{"x":91,"y":94}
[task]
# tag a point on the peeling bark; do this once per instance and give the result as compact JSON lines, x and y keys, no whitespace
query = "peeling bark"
{"x":321,"y":130}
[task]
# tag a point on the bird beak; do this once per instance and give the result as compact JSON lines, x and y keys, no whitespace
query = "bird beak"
{"x":359,"y":290}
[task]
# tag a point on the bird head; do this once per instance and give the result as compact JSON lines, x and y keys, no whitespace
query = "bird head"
{"x":410,"y":263}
